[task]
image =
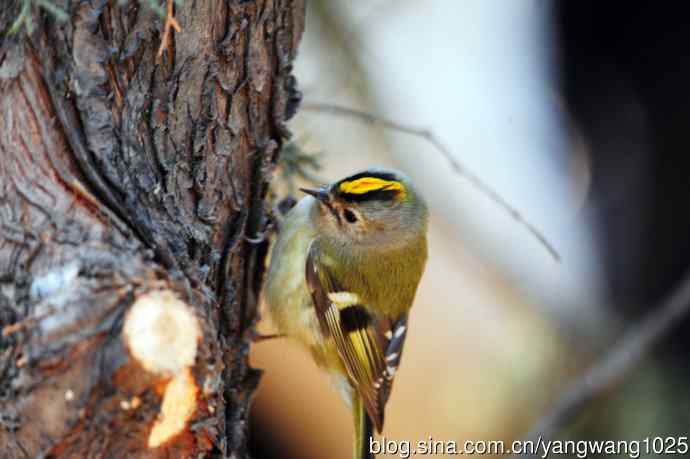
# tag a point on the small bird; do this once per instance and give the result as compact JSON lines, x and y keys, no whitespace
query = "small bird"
{"x":342,"y":278}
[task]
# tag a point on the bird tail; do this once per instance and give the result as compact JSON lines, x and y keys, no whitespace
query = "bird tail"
{"x":364,"y":429}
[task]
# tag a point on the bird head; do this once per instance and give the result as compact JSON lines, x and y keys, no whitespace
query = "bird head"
{"x":376,"y":207}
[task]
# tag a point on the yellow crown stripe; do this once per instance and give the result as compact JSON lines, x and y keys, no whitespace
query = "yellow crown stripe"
{"x":367,"y":184}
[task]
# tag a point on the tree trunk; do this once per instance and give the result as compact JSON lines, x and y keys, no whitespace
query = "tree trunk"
{"x":131,"y":208}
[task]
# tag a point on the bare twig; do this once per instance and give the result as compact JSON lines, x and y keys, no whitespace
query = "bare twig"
{"x":614,"y":366}
{"x":170,"y":23}
{"x":457,"y":167}
{"x":26,"y":323}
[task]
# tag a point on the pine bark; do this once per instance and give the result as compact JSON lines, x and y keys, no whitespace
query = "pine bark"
{"x":124,"y":175}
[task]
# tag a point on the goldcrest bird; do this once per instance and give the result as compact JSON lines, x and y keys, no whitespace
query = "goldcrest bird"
{"x":342,"y":278}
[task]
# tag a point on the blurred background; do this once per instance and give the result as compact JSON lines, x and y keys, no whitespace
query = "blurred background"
{"x":578,"y":115}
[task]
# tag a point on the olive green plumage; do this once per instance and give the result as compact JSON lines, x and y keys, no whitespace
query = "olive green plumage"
{"x":343,"y":275}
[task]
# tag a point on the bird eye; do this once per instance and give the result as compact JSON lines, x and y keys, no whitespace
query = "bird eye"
{"x":349,"y":216}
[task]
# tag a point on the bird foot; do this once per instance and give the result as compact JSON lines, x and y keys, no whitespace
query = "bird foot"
{"x":258,"y":337}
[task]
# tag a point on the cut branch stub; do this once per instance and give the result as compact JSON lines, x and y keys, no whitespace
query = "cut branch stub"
{"x":162,"y":333}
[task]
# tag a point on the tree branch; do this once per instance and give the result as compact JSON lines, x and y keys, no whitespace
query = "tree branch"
{"x":612,"y":369}
{"x":434,"y":141}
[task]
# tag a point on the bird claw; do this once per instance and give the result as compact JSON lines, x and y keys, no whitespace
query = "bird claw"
{"x":258,"y":337}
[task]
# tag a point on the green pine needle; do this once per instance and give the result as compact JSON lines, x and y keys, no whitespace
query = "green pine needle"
{"x":25,"y":20}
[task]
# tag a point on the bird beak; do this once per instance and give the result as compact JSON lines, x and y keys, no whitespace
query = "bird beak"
{"x":319,"y":193}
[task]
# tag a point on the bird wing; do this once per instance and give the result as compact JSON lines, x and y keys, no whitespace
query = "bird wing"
{"x":369,"y":345}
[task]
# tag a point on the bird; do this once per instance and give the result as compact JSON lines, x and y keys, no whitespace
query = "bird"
{"x":342,"y":277}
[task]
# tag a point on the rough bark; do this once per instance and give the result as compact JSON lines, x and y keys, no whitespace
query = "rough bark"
{"x":127,"y":179}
